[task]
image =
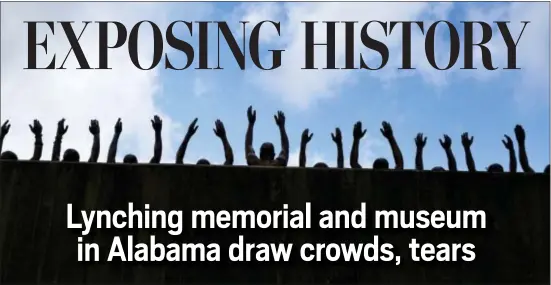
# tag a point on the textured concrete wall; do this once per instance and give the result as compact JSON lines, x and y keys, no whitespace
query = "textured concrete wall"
{"x":36,"y":246}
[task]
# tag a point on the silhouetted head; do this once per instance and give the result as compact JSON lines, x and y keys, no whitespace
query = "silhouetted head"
{"x":546,"y":170}
{"x":438,"y":168}
{"x":267,"y":151}
{"x":495,"y":168}
{"x":8,"y":155}
{"x":130,"y":158}
{"x":380,"y":163}
{"x":71,"y":155}
{"x":203,"y":161}
{"x":320,"y":165}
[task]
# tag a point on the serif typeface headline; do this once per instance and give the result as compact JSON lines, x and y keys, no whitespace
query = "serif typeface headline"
{"x":469,"y":38}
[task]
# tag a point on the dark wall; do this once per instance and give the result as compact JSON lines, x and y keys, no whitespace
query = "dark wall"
{"x":36,"y":246}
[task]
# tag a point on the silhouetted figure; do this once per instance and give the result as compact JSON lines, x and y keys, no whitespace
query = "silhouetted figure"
{"x":357,"y":133}
{"x":191,"y":130}
{"x":71,"y":155}
{"x":420,"y":143}
{"x":337,"y":138}
{"x":94,"y":130}
{"x":61,"y":130}
{"x":523,"y":157}
{"x":380,"y":163}
{"x":508,"y":143}
{"x":438,"y":169}
{"x":114,"y":142}
{"x":495,"y":168}
{"x":267,"y":152}
{"x":447,"y":146}
{"x":8,"y":155}
{"x":389,"y":135}
{"x":546,"y":170}
{"x":157,"y":125}
{"x":467,"y":142}
{"x":3,"y":132}
{"x":203,"y":161}
{"x":130,"y":158}
{"x":320,"y":165}
{"x":304,"y":140}
{"x":220,"y":132}
{"x":36,"y":129}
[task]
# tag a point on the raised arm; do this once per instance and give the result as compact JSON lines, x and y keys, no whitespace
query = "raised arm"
{"x":304,"y":140}
{"x":389,"y":135}
{"x":114,"y":142}
{"x":157,"y":125}
{"x":337,"y":138}
{"x":467,"y":142}
{"x":447,"y":146}
{"x":250,"y":156}
{"x":508,"y":143}
{"x":3,"y":132}
{"x":94,"y":130}
{"x":358,"y":134}
{"x":220,"y":132}
{"x":280,"y":121}
{"x":36,"y":129}
{"x":61,"y":130}
{"x":183,"y":146}
{"x":523,"y":157}
{"x":420,"y":143}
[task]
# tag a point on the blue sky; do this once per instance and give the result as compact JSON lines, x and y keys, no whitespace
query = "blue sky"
{"x":487,"y":104}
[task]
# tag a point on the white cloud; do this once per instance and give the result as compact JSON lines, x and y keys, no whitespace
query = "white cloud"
{"x":200,"y":88}
{"x":81,"y":95}
{"x":302,"y":88}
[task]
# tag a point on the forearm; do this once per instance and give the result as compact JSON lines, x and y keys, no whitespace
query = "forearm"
{"x":354,"y":155}
{"x":249,"y":139}
{"x":95,"y":150}
{"x":523,"y":157}
{"x":284,"y":140}
{"x":340,"y":156}
{"x":452,"y":165}
{"x":512,"y":161}
{"x":1,"y":142}
{"x":469,"y":159}
{"x":181,"y":153}
{"x":419,"y":159}
{"x":158,"y":150}
{"x":302,"y":155}
{"x":228,"y":152}
{"x":57,"y":148}
{"x":396,"y":153}
{"x":38,"y":145}
{"x":113,"y":149}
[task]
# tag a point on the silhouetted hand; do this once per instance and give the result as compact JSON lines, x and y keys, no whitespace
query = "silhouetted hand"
{"x":358,"y":132}
{"x":447,"y":143}
{"x":305,"y":137}
{"x":508,"y":143}
{"x":386,"y":130}
{"x":420,"y":142}
{"x":466,"y":141}
{"x":5,"y":128}
{"x":519,"y":133}
{"x":251,"y":115}
{"x":94,"y":127}
{"x":280,"y":119}
{"x":61,"y":128}
{"x":118,"y":126}
{"x":192,"y":127}
{"x":337,"y":136}
{"x":219,"y":130}
{"x":36,"y":128}
{"x":157,"y":123}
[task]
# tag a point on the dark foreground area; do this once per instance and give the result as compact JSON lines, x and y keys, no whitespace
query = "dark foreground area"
{"x":37,"y":247}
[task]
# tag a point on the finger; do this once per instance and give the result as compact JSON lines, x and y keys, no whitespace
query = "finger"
{"x":363,"y":133}
{"x":311,"y":136}
{"x":382,"y":131}
{"x":31,"y":127}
